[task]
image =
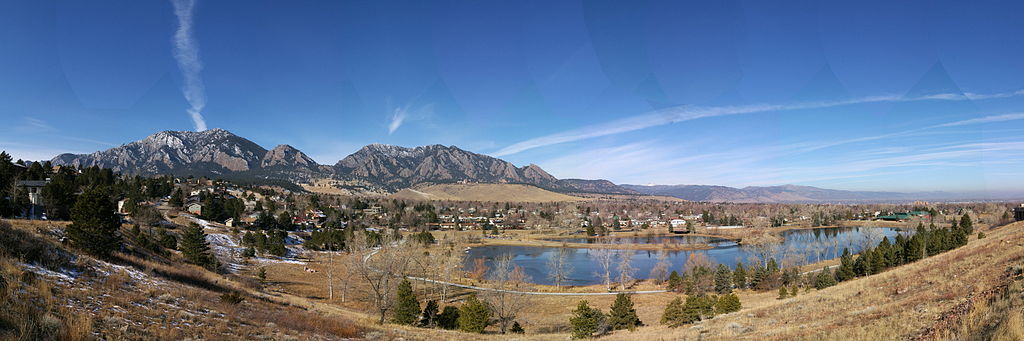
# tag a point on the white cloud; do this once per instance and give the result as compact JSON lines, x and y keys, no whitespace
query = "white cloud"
{"x":186,"y":53}
{"x":986,"y":119}
{"x":397,"y":118}
{"x":407,"y":113}
{"x":687,"y":113}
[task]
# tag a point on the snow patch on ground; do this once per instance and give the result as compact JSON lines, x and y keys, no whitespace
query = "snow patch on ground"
{"x":63,"y":276}
{"x":279,"y":260}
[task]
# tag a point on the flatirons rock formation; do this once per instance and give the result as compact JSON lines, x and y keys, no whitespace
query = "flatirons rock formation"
{"x":378,"y":166}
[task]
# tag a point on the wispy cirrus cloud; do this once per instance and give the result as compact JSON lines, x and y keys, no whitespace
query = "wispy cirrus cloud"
{"x":186,"y":53}
{"x":407,"y":113}
{"x":397,"y":118}
{"x":986,"y":119}
{"x":688,"y":113}
{"x":657,"y":162}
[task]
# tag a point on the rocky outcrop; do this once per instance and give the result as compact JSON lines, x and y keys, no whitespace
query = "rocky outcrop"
{"x":214,"y":150}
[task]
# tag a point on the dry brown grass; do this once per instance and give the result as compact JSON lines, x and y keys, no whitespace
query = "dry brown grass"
{"x":900,"y":303}
{"x":173,"y":302}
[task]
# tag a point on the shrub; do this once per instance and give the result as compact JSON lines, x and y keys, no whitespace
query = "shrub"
{"x":231,"y":297}
{"x":448,"y":318}
{"x":782,"y":293}
{"x":728,"y":303}
{"x":516,"y":328}
{"x":474,"y":315}
{"x":429,"y":316}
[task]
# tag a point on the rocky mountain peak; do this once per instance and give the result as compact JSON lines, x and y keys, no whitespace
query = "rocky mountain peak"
{"x":287,"y":156}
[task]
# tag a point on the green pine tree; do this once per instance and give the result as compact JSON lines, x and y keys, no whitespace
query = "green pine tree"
{"x":824,"y":279}
{"x":194,"y":247}
{"x":739,"y":276}
{"x":782,"y":293}
{"x":845,"y":271}
{"x":966,"y":224}
{"x":177,"y":198}
{"x":585,"y":321}
{"x":675,"y":283}
{"x":723,"y":279}
{"x":407,"y":308}
{"x":94,"y":226}
{"x":474,"y":316}
{"x":622,"y":314}
{"x":674,"y":314}
{"x":728,"y":303}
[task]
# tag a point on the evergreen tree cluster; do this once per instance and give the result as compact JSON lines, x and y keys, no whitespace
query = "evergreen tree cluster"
{"x":272,"y":242}
{"x":473,"y":316}
{"x":926,"y":241}
{"x":586,"y":321}
{"x":220,"y":207}
{"x":327,"y":239}
{"x":698,"y":307}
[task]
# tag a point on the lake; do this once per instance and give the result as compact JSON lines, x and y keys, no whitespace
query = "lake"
{"x":800,"y":247}
{"x":670,"y":239}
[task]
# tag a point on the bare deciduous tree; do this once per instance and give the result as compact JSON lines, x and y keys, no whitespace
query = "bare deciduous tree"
{"x":506,"y":301}
{"x":626,"y":269}
{"x":449,"y":266}
{"x":660,"y":270}
{"x":764,"y":245}
{"x":604,"y":258}
{"x":381,"y":268}
{"x":559,"y":267}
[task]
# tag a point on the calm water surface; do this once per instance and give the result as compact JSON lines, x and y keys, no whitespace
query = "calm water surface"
{"x":671,"y":239}
{"x":800,"y":247}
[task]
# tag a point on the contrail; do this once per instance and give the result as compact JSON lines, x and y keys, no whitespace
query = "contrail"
{"x":687,"y":113}
{"x":186,"y":52}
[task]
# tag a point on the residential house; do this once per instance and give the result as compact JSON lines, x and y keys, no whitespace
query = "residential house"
{"x":34,"y":189}
{"x":194,"y":208}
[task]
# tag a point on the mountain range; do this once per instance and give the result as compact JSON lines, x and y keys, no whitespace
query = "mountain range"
{"x":778,"y":194}
{"x":384,"y":168}
{"x":375,"y":167}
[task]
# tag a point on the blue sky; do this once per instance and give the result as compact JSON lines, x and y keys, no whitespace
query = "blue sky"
{"x":884,"y":95}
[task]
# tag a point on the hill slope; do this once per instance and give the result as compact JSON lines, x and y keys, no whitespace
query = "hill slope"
{"x":483,"y":192}
{"x":951,"y":294}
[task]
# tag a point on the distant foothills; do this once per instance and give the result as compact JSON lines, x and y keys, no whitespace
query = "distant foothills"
{"x":379,"y":168}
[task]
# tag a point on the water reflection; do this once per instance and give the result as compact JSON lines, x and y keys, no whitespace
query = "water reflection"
{"x":799,"y":247}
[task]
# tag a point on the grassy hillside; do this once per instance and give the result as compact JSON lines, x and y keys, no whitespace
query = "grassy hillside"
{"x":970,"y":293}
{"x":49,"y":291}
{"x":483,"y":192}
